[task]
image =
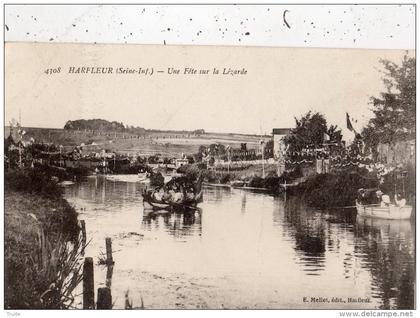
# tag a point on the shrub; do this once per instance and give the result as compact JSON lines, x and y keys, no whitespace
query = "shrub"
{"x":335,"y":189}
{"x":225,"y":178}
{"x":272,"y":183}
{"x":33,"y":181}
{"x":257,"y":182}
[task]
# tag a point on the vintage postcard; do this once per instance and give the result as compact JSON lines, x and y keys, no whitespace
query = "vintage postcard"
{"x":199,"y":177}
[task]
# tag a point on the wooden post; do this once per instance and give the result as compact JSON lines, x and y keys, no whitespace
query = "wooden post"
{"x":104,"y":298}
{"x":108,"y":244}
{"x":88,"y":284}
{"x":109,"y":271}
{"x":83,"y":227}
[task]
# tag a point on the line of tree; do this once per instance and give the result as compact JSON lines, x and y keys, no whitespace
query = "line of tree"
{"x":395,"y":109}
{"x":94,"y":124}
{"x":114,"y":126}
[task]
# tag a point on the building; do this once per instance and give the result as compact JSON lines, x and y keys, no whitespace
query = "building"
{"x":181,"y":162}
{"x":278,"y":141}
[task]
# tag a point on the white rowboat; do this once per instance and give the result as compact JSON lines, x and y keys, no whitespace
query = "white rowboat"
{"x":390,"y":212}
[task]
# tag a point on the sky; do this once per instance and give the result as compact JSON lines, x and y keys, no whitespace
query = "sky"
{"x":280,"y":84}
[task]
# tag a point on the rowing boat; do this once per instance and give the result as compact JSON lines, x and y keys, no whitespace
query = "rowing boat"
{"x":390,"y":212}
{"x":150,"y":203}
{"x":178,"y":197}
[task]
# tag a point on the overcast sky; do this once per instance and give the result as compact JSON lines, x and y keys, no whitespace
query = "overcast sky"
{"x":280,"y":84}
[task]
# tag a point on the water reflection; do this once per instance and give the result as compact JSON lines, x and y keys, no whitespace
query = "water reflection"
{"x":177,"y":224}
{"x":271,"y":251}
{"x":309,"y":232}
{"x":386,"y":248}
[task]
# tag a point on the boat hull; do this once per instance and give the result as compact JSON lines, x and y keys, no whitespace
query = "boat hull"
{"x":150,"y":205}
{"x":390,"y":212}
{"x":155,"y":205}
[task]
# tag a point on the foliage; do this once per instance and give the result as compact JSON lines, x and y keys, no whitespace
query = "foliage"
{"x":309,"y":132}
{"x":217,"y":149}
{"x":225,"y":178}
{"x":256,"y":182}
{"x":102,"y":125}
{"x":395,"y":109}
{"x":400,"y":180}
{"x":42,"y":243}
{"x":41,"y":273}
{"x":34,"y":182}
{"x":336,"y":189}
{"x":157,"y":179}
{"x":63,"y":218}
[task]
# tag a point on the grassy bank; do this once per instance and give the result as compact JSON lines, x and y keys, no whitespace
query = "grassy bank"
{"x":338,"y":189}
{"x":42,"y":243}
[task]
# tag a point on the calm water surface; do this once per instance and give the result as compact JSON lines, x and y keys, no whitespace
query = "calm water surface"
{"x":245,"y":250}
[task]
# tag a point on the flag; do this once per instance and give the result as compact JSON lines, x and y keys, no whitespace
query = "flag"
{"x":349,"y":125}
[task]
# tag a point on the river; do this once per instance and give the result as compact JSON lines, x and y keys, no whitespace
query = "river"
{"x":244,"y":250}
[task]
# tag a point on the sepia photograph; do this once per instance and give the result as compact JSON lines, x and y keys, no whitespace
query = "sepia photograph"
{"x":187,"y":175}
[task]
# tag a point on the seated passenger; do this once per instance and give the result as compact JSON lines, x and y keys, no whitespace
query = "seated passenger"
{"x":379,"y":196}
{"x":385,"y":200}
{"x":158,"y":195}
{"x":399,"y":200}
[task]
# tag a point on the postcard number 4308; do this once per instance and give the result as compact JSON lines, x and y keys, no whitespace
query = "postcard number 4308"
{"x":50,"y":71}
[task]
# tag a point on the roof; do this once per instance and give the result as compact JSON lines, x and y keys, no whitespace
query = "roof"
{"x":281,"y":131}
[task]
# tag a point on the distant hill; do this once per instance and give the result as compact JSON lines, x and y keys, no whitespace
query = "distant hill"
{"x":98,"y":125}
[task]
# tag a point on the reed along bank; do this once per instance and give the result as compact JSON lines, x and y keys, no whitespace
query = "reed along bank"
{"x":42,"y":245}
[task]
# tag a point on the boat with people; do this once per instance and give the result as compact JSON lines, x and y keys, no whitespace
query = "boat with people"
{"x":178,"y":193}
{"x":382,"y":207}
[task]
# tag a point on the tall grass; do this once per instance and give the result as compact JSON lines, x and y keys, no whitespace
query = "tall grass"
{"x":44,"y":277}
{"x":42,"y":245}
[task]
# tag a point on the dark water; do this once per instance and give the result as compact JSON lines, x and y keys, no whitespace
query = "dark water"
{"x":256,"y":250}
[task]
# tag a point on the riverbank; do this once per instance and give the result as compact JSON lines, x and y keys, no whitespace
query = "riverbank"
{"x":41,"y":268}
{"x":335,"y":189}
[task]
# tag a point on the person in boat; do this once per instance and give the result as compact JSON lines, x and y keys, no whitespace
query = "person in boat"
{"x":379,"y":194}
{"x":362,"y":196}
{"x":158,"y":195}
{"x":399,"y":200}
{"x":189,"y":194}
{"x":175,"y":195}
{"x":385,"y":200}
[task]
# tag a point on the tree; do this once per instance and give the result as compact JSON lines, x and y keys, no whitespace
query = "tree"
{"x":334,"y":134}
{"x":310,"y":132}
{"x":202,"y":151}
{"x":395,"y":109}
